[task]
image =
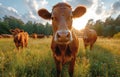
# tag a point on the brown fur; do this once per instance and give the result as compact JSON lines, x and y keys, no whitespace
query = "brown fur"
{"x":34,"y":35}
{"x":64,"y":42}
{"x":20,"y":38}
{"x":1,"y":36}
{"x":6,"y":35}
{"x":89,"y":37}
{"x":40,"y":35}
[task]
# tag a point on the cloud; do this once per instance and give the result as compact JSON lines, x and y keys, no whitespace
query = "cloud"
{"x":9,"y":11}
{"x":97,"y":5}
{"x":116,"y":7}
{"x":100,"y":8}
{"x":87,"y":3}
{"x":33,"y":6}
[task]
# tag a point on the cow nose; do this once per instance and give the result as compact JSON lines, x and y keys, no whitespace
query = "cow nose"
{"x":63,"y":34}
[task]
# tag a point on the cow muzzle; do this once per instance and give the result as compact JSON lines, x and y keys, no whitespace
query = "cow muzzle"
{"x":63,"y":37}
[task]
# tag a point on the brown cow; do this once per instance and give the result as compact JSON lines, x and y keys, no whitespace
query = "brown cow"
{"x":40,"y":35}
{"x":34,"y":35}
{"x":20,"y":37}
{"x":64,"y":42}
{"x":1,"y":36}
{"x":89,"y":37}
{"x":6,"y":35}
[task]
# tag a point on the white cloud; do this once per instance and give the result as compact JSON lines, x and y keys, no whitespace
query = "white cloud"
{"x":100,"y":8}
{"x":33,"y":6}
{"x":31,"y":13}
{"x":87,"y":3}
{"x":12,"y":9}
{"x":9,"y":11}
{"x":96,"y":9}
{"x":115,"y":8}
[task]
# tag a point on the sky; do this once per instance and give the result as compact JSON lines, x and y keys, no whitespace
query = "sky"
{"x":27,"y":9}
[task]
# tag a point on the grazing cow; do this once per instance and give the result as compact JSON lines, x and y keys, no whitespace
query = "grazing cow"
{"x":34,"y":35}
{"x":20,"y":37}
{"x":89,"y":37}
{"x":1,"y":36}
{"x":40,"y":36}
{"x":64,"y":42}
{"x":6,"y":35}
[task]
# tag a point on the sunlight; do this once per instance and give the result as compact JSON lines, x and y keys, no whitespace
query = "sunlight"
{"x":80,"y":23}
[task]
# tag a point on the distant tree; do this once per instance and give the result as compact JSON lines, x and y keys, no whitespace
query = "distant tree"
{"x":117,"y":21}
{"x":109,"y":21}
{"x":13,"y":22}
{"x":90,"y":23}
{"x":48,"y":29}
{"x":4,"y":28}
{"x":98,"y":26}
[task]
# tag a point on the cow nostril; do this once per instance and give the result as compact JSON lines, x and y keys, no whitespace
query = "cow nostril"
{"x":58,"y":35}
{"x":68,"y":34}
{"x":63,"y":34}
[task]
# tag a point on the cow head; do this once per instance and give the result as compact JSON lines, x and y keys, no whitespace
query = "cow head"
{"x":15,"y":31}
{"x":61,"y":17}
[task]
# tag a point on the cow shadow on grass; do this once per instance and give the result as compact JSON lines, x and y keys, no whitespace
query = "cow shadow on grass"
{"x":98,"y":62}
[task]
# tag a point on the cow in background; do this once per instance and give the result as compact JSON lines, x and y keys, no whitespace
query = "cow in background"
{"x":1,"y":36}
{"x":34,"y":35}
{"x":6,"y":35}
{"x":20,"y":37}
{"x":64,"y":44}
{"x":89,"y":37}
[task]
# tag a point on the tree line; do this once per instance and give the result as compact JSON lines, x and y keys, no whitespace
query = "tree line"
{"x":107,"y":28}
{"x":10,"y":22}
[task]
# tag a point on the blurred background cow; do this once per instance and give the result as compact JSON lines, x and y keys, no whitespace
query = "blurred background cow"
{"x":89,"y":37}
{"x":20,"y":37}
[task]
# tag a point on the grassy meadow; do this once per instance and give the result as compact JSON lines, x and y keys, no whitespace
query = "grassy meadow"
{"x":37,"y":60}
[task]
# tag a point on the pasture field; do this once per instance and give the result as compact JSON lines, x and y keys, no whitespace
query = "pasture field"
{"x":36,"y":60}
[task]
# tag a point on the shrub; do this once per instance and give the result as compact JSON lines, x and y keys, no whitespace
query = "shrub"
{"x":117,"y":35}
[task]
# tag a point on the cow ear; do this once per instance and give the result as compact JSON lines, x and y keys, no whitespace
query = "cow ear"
{"x":21,"y":30}
{"x":11,"y":30}
{"x":79,"y":11}
{"x":44,"y":14}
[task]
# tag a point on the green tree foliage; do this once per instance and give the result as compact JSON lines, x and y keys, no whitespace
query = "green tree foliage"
{"x":107,"y":28}
{"x":10,"y":22}
{"x":4,"y":28}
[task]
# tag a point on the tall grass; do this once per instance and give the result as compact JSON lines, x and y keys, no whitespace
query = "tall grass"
{"x":36,"y":60}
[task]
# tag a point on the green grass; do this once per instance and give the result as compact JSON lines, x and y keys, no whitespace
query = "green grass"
{"x":37,"y":60}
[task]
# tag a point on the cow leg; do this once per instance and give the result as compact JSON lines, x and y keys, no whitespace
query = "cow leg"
{"x":26,"y":43}
{"x":22,"y":45}
{"x":85,"y":46}
{"x":58,"y":68}
{"x":71,"y":67}
{"x":91,"y":45}
{"x":17,"y":46}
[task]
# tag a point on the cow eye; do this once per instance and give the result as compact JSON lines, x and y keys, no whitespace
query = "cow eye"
{"x":52,"y":18}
